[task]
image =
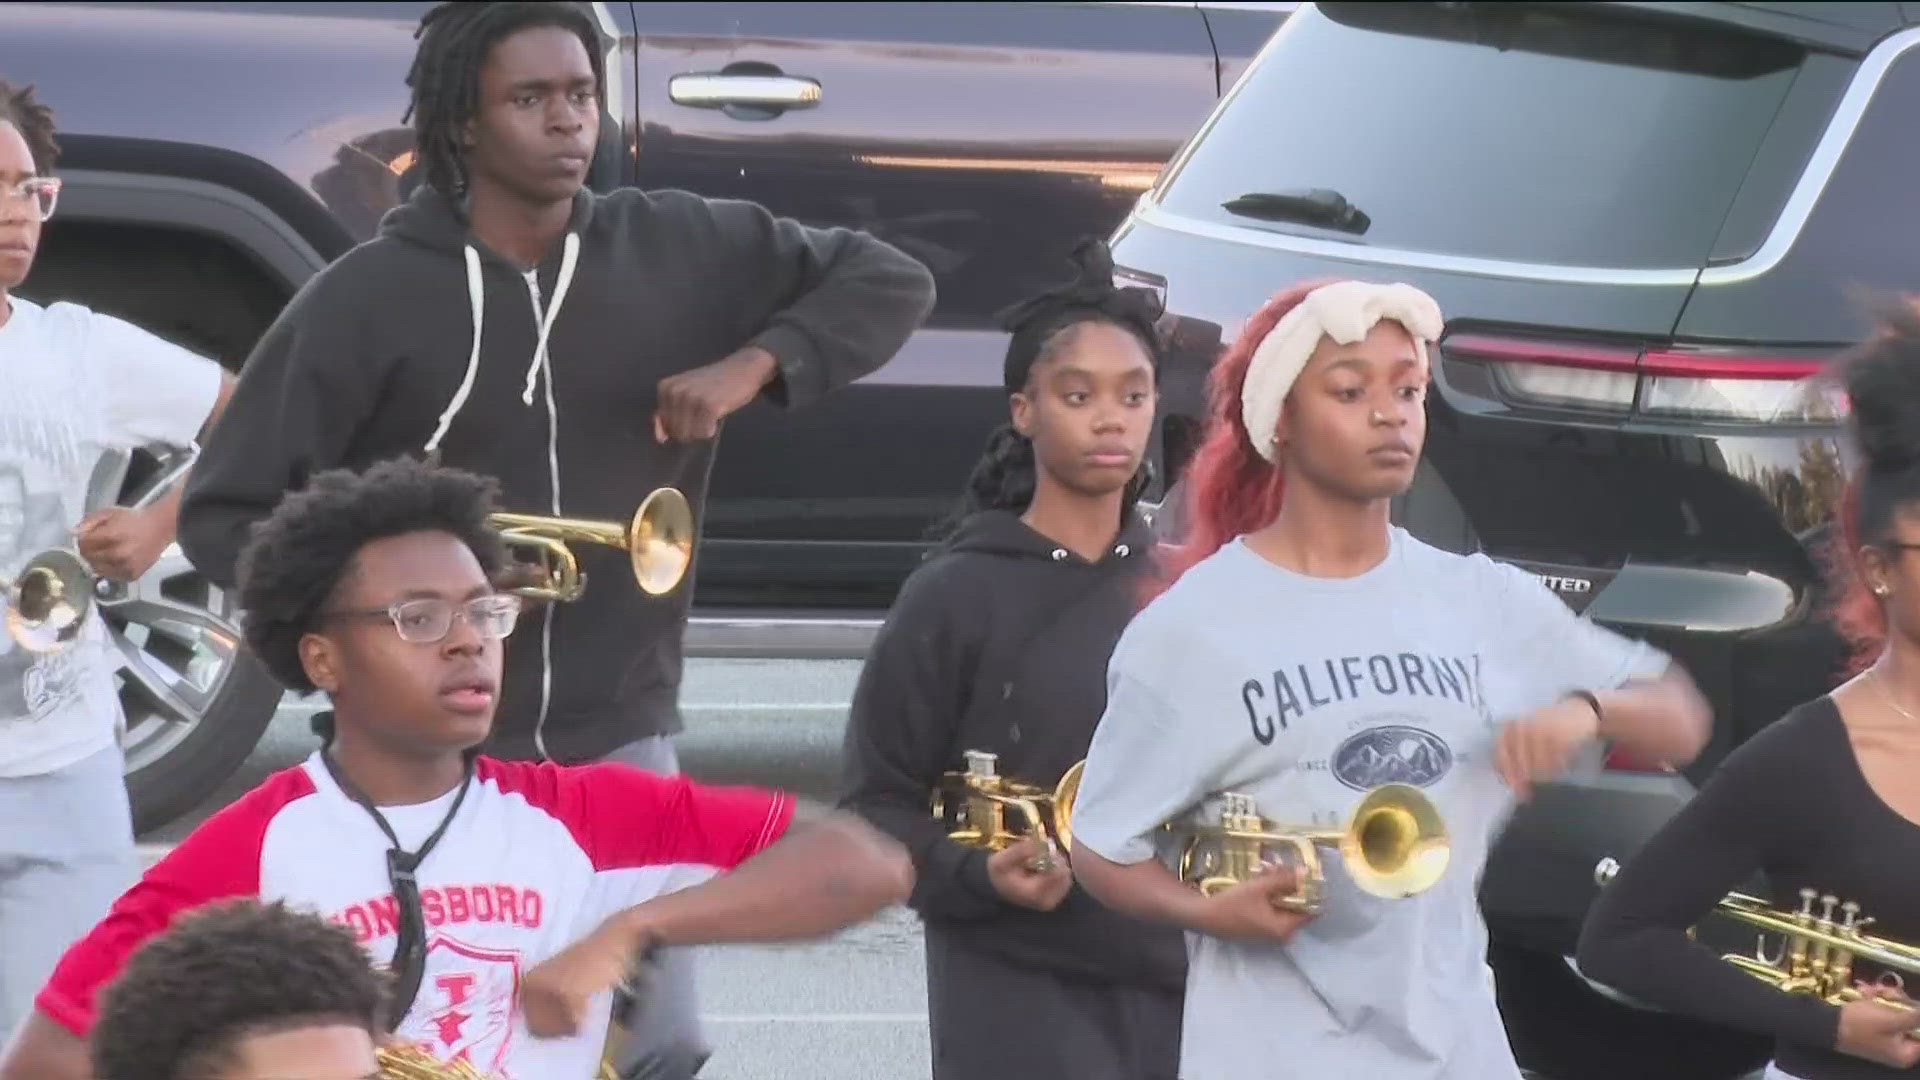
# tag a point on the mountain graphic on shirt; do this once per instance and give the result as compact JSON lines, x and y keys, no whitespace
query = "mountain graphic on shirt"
{"x":1391,"y":754}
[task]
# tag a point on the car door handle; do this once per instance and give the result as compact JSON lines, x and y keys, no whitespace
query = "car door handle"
{"x":717,"y":90}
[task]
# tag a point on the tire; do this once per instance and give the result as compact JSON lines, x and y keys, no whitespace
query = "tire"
{"x":1562,"y":1028}
{"x":195,"y":701}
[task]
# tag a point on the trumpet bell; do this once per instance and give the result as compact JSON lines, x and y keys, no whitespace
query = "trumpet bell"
{"x":1064,"y":797}
{"x":660,"y":541}
{"x":1397,"y":844}
{"x":47,"y":604}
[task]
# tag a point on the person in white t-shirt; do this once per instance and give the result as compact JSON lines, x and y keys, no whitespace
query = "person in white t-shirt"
{"x":504,"y":898}
{"x":1307,"y":651}
{"x":74,"y":384}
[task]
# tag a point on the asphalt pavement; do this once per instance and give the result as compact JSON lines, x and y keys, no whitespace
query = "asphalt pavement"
{"x":853,"y":1005}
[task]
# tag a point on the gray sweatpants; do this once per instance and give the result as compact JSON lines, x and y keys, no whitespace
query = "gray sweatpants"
{"x":664,"y":1039}
{"x":66,"y":854}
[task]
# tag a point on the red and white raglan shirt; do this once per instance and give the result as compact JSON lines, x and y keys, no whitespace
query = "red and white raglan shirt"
{"x":538,"y":856}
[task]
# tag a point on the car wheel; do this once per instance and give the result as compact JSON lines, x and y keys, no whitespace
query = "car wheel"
{"x":1562,"y":1028}
{"x":195,"y":700}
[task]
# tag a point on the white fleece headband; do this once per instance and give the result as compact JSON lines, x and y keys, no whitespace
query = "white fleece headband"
{"x":1343,"y":311}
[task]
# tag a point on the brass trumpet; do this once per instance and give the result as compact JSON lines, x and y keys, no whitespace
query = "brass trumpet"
{"x":1395,"y":846}
{"x":47,"y":605}
{"x":986,"y":810}
{"x":402,"y":1062}
{"x":659,"y":541}
{"x":1817,"y":954}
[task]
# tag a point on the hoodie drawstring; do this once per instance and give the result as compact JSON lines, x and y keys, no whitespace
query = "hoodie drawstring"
{"x":569,"y":258}
{"x":477,"y":299}
{"x":539,"y":363}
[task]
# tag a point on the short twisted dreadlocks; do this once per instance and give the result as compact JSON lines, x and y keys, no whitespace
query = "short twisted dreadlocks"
{"x":454,"y":41}
{"x":35,"y":121}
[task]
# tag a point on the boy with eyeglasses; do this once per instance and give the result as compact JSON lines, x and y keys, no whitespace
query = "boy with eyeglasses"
{"x":505,"y":898}
{"x":74,"y":384}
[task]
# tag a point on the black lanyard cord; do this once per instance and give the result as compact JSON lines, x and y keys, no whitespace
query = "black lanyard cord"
{"x":409,"y":964}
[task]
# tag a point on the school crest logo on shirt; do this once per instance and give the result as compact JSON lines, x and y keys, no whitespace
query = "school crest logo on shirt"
{"x":465,"y":1008}
{"x":1391,"y":754}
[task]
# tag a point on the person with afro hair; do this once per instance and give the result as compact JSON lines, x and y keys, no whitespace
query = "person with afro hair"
{"x":242,"y":990}
{"x":504,"y":899}
{"x":79,"y":383}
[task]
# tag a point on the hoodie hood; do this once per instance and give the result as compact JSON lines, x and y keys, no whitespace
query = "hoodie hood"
{"x":1002,"y":532}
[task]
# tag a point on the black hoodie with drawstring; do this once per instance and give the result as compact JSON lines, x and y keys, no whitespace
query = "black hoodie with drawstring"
{"x":999,"y":642}
{"x":424,"y":340}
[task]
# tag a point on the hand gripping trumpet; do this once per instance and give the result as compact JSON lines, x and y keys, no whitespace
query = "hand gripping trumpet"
{"x":658,"y":541}
{"x":986,"y":810}
{"x":1394,"y":846}
{"x":49,"y":600}
{"x":1817,"y":952}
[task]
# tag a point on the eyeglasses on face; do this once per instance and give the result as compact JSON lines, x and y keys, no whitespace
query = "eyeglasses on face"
{"x":427,"y":620}
{"x":39,"y":192}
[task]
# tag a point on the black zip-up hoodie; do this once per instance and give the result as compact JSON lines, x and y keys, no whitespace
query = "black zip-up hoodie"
{"x":999,"y":642}
{"x":425,"y":338}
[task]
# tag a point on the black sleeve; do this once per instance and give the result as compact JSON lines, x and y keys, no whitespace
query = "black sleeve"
{"x":1635,"y":937}
{"x":831,"y":305}
{"x":302,"y":394}
{"x":900,"y":735}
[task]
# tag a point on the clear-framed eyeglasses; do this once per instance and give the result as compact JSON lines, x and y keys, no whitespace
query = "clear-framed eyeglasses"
{"x":40,"y":193}
{"x":427,"y":620}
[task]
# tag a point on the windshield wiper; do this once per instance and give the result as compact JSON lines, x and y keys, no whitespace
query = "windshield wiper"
{"x":1324,"y":207}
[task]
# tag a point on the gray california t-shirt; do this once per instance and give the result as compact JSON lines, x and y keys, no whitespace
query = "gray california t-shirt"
{"x":1303,"y":693}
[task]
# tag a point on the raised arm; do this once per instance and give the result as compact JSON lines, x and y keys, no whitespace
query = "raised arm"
{"x":827,"y":871}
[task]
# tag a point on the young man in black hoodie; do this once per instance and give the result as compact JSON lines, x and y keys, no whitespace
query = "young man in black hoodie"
{"x":999,"y":644}
{"x":583,"y":349}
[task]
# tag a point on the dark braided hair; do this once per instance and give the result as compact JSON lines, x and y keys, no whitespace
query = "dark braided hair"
{"x":35,"y":121}
{"x":227,"y":972}
{"x":1005,"y":476}
{"x":445,"y":79}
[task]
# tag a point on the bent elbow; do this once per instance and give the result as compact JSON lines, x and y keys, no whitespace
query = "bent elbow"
{"x":885,"y":872}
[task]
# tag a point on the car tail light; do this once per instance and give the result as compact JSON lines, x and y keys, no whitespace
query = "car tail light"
{"x":1719,"y":386}
{"x":1568,"y":374}
{"x":1678,"y":382}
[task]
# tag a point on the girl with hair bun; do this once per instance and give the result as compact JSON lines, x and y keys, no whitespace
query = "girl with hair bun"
{"x":1825,"y":798}
{"x":999,"y":643}
{"x":1302,"y":651}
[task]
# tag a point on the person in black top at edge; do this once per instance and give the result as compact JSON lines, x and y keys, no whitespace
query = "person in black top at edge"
{"x":583,"y":349}
{"x":999,"y":643}
{"x":1826,"y":798}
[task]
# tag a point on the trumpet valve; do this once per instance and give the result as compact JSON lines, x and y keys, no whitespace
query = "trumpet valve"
{"x":982,"y":765}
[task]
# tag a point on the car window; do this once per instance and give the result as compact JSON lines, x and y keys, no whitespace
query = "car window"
{"x":1541,"y":134}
